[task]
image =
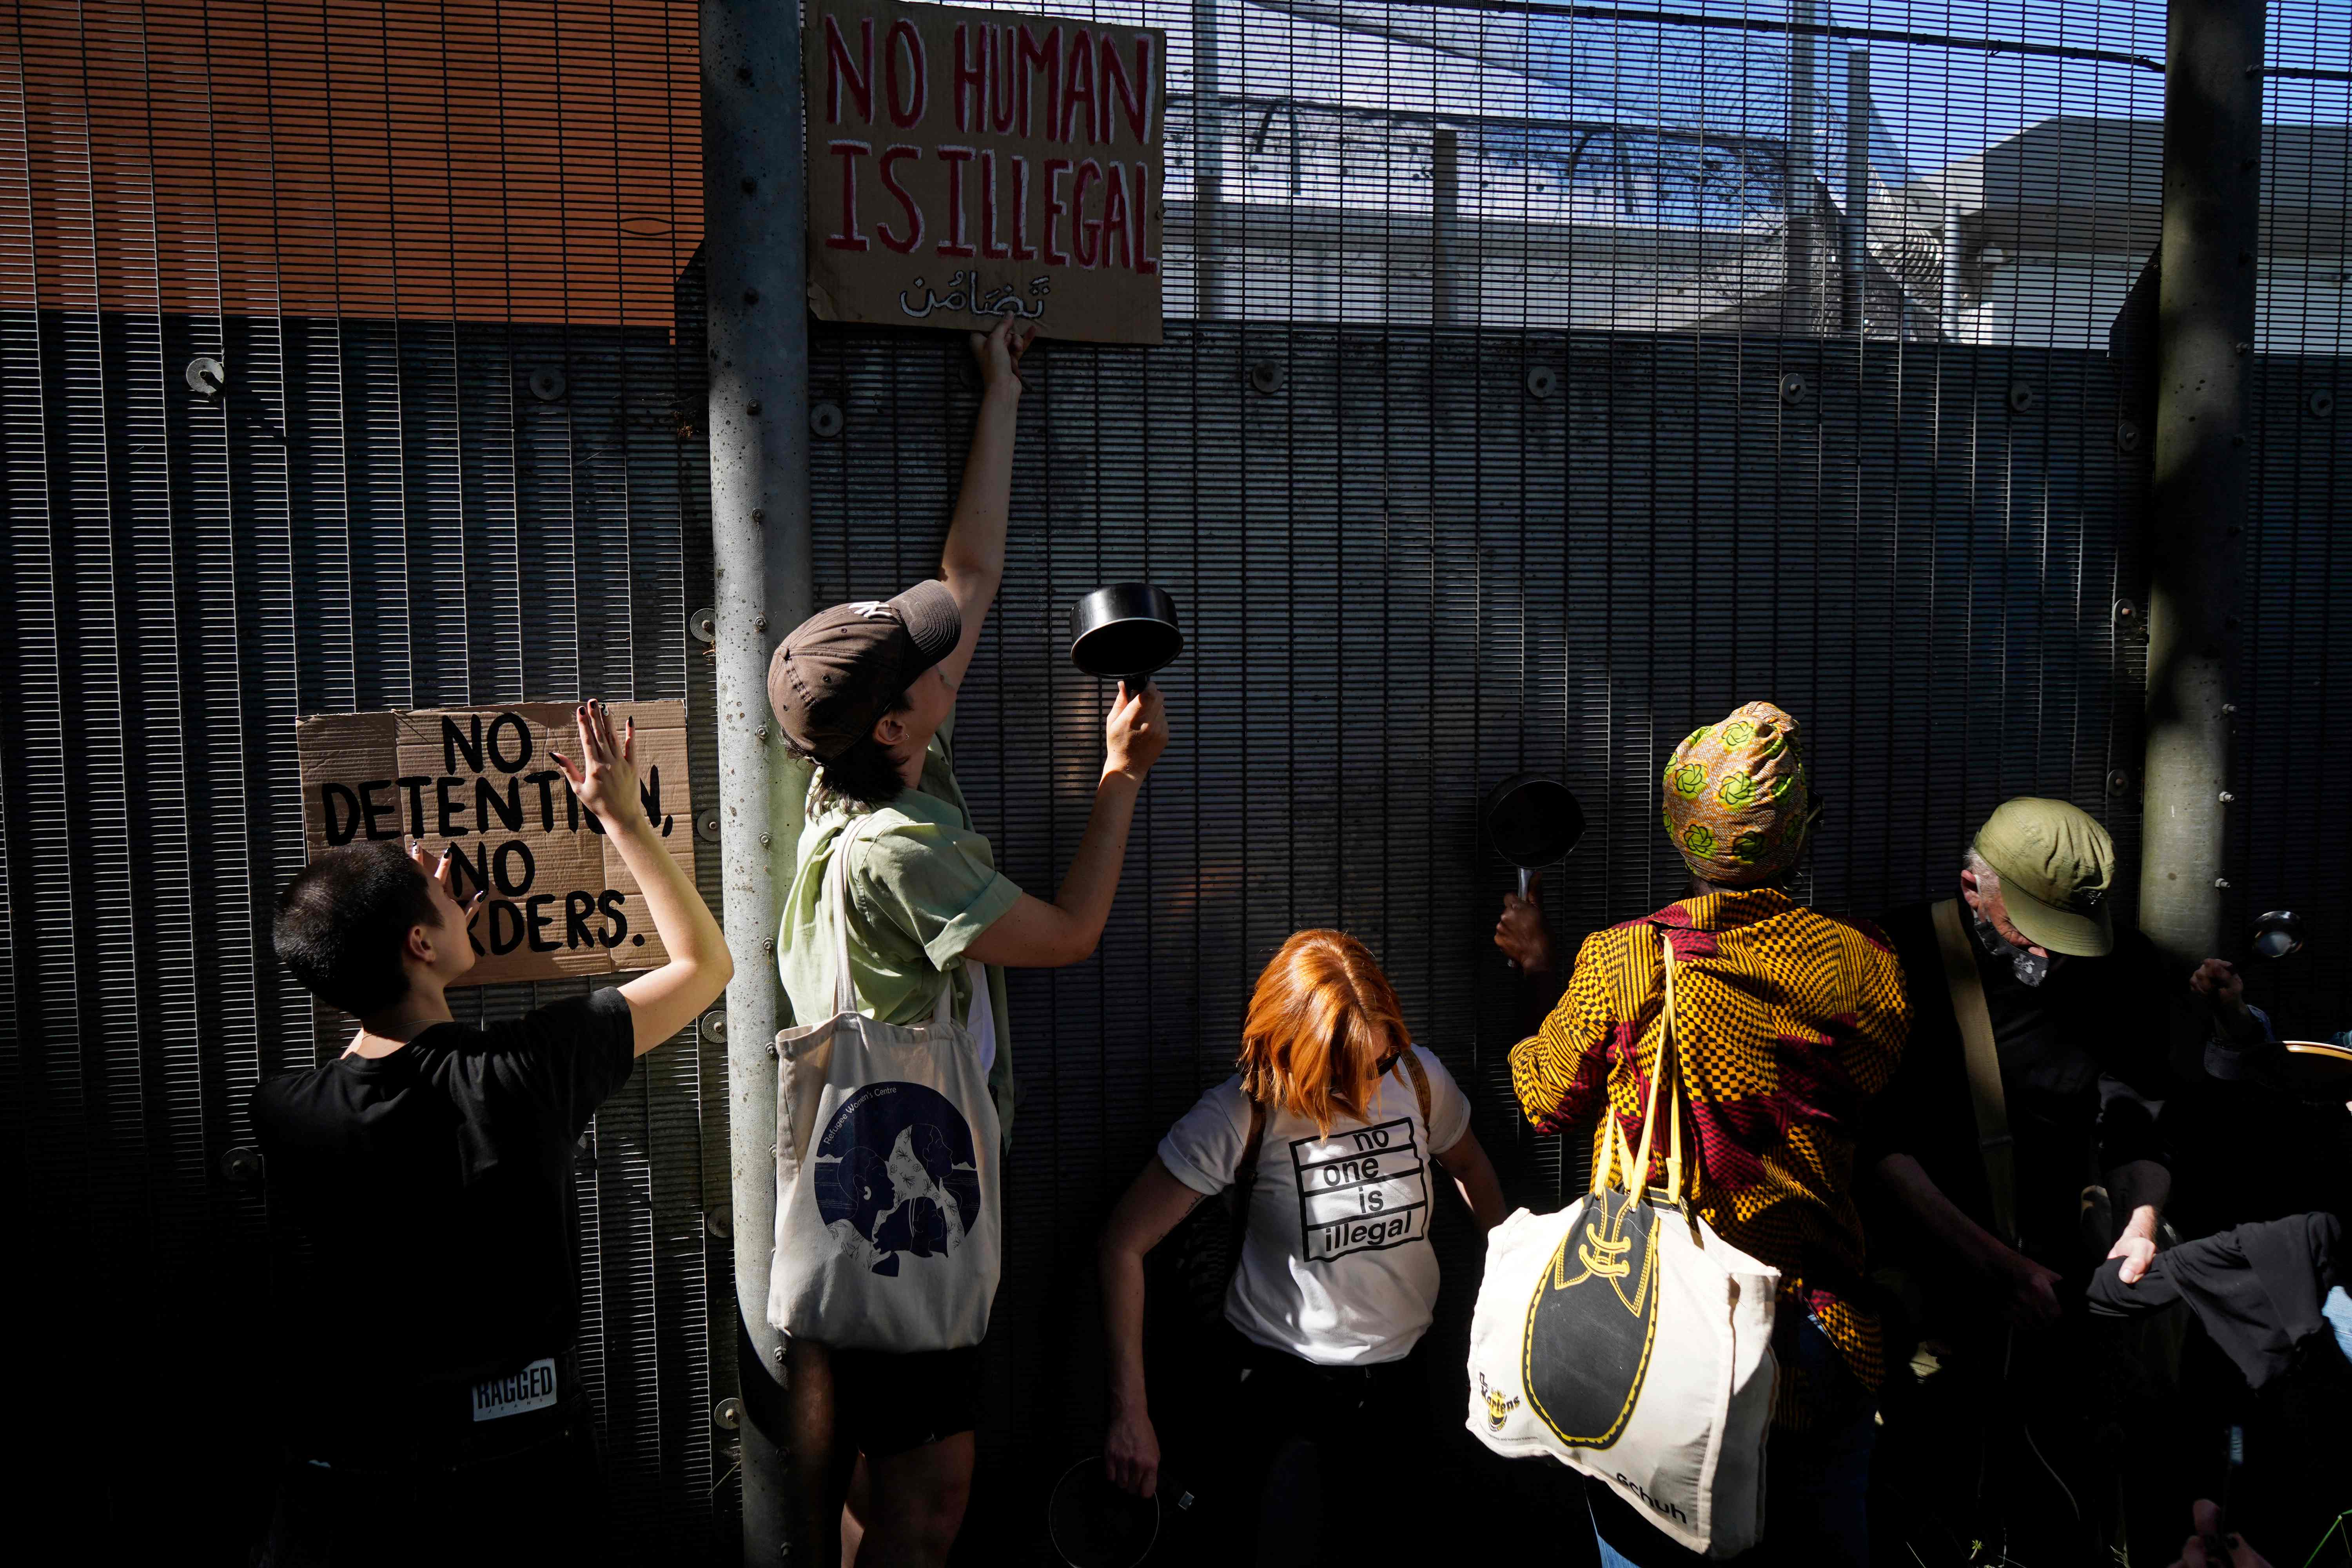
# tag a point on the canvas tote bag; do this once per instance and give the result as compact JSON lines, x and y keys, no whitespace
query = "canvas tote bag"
{"x":1627,"y":1339}
{"x":889,"y":1222}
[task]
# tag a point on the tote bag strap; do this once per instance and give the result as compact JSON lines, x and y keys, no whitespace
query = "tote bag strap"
{"x":1634,"y":1162}
{"x":844,"y":995}
{"x":1675,"y":1167}
{"x":836,"y":891}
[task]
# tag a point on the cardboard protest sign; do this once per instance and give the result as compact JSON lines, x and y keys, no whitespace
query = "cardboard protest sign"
{"x":969,"y":165}
{"x":480,"y":782}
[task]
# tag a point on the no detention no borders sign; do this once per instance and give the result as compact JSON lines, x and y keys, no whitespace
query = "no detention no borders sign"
{"x":480,"y":782}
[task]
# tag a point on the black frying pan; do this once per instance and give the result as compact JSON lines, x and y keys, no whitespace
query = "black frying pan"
{"x":1124,"y":632}
{"x":1093,"y":1524}
{"x":1531,"y":821}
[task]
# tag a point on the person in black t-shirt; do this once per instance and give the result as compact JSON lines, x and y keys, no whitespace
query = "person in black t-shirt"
{"x":433,"y":1406}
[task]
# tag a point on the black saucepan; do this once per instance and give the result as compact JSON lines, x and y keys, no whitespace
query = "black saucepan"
{"x":1124,"y":632}
{"x":1531,"y":821}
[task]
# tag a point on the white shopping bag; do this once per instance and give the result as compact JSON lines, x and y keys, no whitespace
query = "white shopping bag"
{"x":1627,"y":1339}
{"x":890,"y":1221}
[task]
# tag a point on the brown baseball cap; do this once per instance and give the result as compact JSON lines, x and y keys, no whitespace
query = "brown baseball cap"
{"x":840,"y":671}
{"x":2057,"y":866}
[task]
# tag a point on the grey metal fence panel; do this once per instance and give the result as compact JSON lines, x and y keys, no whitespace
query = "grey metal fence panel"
{"x":2290,"y":847}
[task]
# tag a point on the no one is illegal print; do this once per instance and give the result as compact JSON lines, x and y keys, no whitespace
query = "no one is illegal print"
{"x":1362,"y":1190}
{"x":480,"y":781}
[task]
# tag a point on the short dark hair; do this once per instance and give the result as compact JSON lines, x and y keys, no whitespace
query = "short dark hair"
{"x":342,"y":922}
{"x":868,"y":772}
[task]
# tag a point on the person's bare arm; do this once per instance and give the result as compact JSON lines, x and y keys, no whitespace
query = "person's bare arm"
{"x":2140,"y":1190}
{"x":2029,"y":1292}
{"x":1034,"y":934}
{"x":1474,"y":1178}
{"x":1150,"y":1210}
{"x":973,"y":560}
{"x":665,"y":1000}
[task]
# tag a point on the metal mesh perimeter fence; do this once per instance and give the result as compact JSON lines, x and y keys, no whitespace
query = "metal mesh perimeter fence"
{"x":1542,"y":380}
{"x":1965,"y":173}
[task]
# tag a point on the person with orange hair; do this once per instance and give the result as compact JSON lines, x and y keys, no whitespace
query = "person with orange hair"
{"x":1326,"y":1133}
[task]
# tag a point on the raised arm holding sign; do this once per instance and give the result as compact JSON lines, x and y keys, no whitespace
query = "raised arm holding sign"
{"x":431,"y":1391}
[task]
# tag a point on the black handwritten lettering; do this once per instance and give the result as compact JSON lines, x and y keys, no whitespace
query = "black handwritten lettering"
{"x":616,"y":917}
{"x":414,"y":785}
{"x":339,"y":829}
{"x":375,"y":809}
{"x":505,"y":928}
{"x":514,"y":887}
{"x":536,"y":916}
{"x":546,"y":801}
{"x":469,"y":871}
{"x":649,"y":792}
{"x":454,"y":742}
{"x":521,"y":731}
{"x":450,"y":828}
{"x":577,"y":906}
{"x":510,"y":810}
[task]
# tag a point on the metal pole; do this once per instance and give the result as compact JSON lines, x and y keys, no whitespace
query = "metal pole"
{"x":755,"y":202}
{"x":1857,"y":186}
{"x":1208,"y":165}
{"x":2213,"y":164}
{"x":1445,"y":283}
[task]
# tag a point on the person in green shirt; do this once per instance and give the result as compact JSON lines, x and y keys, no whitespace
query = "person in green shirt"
{"x":866,"y":691}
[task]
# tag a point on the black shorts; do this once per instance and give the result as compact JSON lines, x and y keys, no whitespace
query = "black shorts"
{"x":887,"y":1403}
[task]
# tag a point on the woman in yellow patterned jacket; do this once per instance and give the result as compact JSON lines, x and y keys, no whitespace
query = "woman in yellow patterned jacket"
{"x":1786,"y":1020}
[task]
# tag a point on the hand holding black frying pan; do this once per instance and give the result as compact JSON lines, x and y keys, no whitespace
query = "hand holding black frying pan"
{"x":1531,"y":821}
{"x":1520,"y":930}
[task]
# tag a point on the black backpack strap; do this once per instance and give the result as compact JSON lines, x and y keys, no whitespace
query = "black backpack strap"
{"x":1246,"y":1178}
{"x":1420,"y":1075}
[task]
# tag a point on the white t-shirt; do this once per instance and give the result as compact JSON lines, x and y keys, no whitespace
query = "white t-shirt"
{"x":1336,"y":1268}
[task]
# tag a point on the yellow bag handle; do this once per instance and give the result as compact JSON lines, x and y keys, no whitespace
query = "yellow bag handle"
{"x":1674,"y":1091}
{"x":1618,"y":1154}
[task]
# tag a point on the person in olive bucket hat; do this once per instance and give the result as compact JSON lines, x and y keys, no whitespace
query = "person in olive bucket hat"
{"x":866,"y":691}
{"x":1785,"y":1020}
{"x":2084,"y":1018}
